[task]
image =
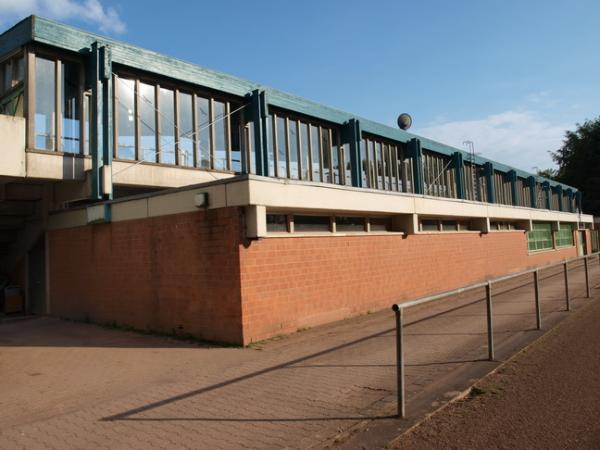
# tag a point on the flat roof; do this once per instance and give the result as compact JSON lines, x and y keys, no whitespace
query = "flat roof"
{"x":44,"y":31}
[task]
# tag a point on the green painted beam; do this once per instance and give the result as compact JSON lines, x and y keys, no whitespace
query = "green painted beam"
{"x":16,"y":36}
{"x":415,"y":152}
{"x":532,"y":191}
{"x":489,"y":169}
{"x":458,"y":162}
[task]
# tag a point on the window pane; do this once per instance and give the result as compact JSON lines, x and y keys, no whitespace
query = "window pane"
{"x":126,"y":116}
{"x":276,"y":222}
{"x":202,"y":113}
{"x":429,"y":225}
{"x":147,"y":122}
{"x":326,"y":148}
{"x":335,"y":158}
{"x":71,"y":110}
{"x":316,"y":154}
{"x":271,"y":146}
{"x":311,"y":223}
{"x":167,"y":126}
{"x":373,"y":165}
{"x":235,"y":120}
{"x":220,"y":136}
{"x":45,"y":99}
{"x":186,"y":131}
{"x":380,"y":223}
{"x":347,"y":165}
{"x":349,"y":224}
{"x":281,"y":148}
{"x":364,"y":163}
{"x":304,"y":151}
{"x":87,"y":110}
{"x":293,"y":130}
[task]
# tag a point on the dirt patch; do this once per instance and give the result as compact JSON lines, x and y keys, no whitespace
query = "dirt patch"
{"x":548,"y":396}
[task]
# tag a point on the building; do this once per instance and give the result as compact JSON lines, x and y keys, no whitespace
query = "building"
{"x":146,"y":191}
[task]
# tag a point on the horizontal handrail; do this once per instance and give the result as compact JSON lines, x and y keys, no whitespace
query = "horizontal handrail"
{"x":400,"y":307}
{"x":481,"y":284}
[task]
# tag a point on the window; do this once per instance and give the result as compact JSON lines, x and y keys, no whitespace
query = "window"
{"x":126,"y":119}
{"x":449,"y":225}
{"x":220,"y":132}
{"x":305,"y":151}
{"x":293,"y":144}
{"x":439,"y":175}
{"x":147,"y":102}
{"x":564,"y":235}
{"x":380,"y":224}
{"x":177,"y":127}
{"x":540,"y":237}
{"x":87,"y":109}
{"x":186,"y":130}
{"x":166,"y":106}
{"x":349,"y":223}
{"x":503,"y":226}
{"x":316,"y":153}
{"x":312,"y":223}
{"x":45,"y":103}
{"x":430,"y":225}
{"x":71,"y":110}
{"x":383,"y":166}
{"x":203,"y":115}
{"x":277,"y":223}
{"x":12,"y":76}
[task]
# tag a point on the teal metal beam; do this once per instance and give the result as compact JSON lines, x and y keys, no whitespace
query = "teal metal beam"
{"x":532,"y":191}
{"x":259,"y":113}
{"x":351,"y":135}
{"x":415,"y":152}
{"x":458,"y":162}
{"x":101,"y":129}
{"x":488,"y":170}
{"x":547,"y":194}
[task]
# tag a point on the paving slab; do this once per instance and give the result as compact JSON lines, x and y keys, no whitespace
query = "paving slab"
{"x":76,"y":385}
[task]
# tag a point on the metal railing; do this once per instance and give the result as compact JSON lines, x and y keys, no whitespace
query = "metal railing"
{"x":399,"y":308}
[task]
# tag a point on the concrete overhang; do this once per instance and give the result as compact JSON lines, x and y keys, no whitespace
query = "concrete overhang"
{"x":288,"y":195}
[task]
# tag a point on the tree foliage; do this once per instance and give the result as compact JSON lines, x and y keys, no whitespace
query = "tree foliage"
{"x":578,"y":163}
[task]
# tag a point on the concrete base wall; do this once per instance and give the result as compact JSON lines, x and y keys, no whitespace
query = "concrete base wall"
{"x":194,"y":273}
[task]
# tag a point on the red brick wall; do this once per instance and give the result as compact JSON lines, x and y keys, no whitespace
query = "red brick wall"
{"x":290,"y":283}
{"x":176,"y":273}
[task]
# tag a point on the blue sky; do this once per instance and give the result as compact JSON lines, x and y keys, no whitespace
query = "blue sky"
{"x":510,"y":75}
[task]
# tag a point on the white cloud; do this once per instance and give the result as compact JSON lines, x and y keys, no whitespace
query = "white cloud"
{"x":89,"y":11}
{"x":521,"y":139}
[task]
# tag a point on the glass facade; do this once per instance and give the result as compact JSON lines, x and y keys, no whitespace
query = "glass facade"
{"x":71,"y":109}
{"x":12,"y":78}
{"x":177,"y":124}
{"x":45,"y":104}
{"x":126,"y":114}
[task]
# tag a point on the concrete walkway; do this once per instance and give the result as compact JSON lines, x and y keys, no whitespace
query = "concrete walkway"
{"x":71,"y":385}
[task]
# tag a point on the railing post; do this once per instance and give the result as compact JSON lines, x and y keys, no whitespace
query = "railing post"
{"x":400,"y":361}
{"x":568,"y":299}
{"x":490,"y":324}
{"x":538,"y":311}
{"x":587,"y":277}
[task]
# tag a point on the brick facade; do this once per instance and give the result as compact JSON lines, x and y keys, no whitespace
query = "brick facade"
{"x":176,"y":273}
{"x":195,"y":273}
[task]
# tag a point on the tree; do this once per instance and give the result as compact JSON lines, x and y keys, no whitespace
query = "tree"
{"x":547,"y":173}
{"x":579,"y":163}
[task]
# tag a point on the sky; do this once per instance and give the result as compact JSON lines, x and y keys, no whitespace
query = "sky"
{"x":511,"y":76}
